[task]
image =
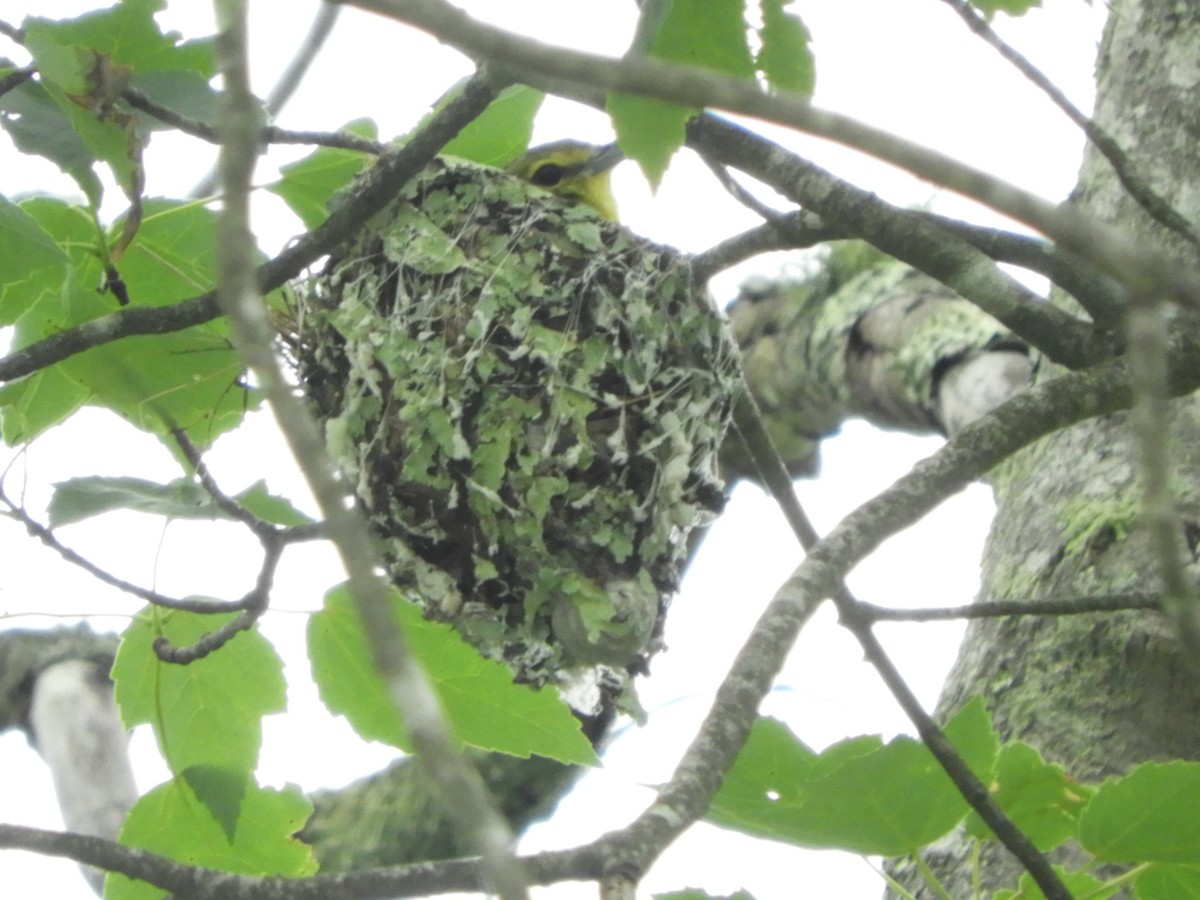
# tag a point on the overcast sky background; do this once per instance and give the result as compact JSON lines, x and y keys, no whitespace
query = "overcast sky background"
{"x":908,"y":66}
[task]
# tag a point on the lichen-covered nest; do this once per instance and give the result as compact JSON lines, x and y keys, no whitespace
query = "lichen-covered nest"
{"x":530,"y":400}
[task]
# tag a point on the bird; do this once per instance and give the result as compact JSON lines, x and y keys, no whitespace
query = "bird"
{"x":574,"y":170}
{"x":527,"y":400}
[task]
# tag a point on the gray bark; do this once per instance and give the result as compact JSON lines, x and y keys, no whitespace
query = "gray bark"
{"x":1096,"y":694}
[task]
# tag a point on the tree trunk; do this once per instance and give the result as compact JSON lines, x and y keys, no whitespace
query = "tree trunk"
{"x":1096,"y":694}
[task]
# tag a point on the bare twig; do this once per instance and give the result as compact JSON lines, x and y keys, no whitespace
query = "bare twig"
{"x":792,"y":231}
{"x":14,"y":79}
{"x":422,"y":880}
{"x":1149,"y":421}
{"x":1099,"y":295}
{"x":1139,"y":189}
{"x":365,"y":198}
{"x":734,"y":188}
{"x":916,"y":240}
{"x":306,"y":54}
{"x":12,"y":32}
{"x":753,"y":432}
{"x":291,"y":77}
{"x":458,"y":784}
{"x":209,"y":643}
{"x":1138,"y":263}
{"x":49,"y":539}
{"x":993,"y":609}
{"x":1039,"y":411}
{"x":267,"y":135}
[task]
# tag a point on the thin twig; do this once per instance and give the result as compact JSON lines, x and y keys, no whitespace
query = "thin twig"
{"x":1151,"y":433}
{"x":366,"y":197}
{"x":916,"y":240}
{"x":420,"y":880}
{"x":977,"y":448}
{"x":991,"y":609}
{"x":753,"y":431}
{"x":208,"y":643}
{"x":1139,"y":189}
{"x":1137,"y":262}
{"x":262,"y":529}
{"x":797,"y":230}
{"x":735,"y":189}
{"x":49,"y":539}
{"x":1098,"y":294}
{"x":268,"y":135}
{"x":12,"y":32}
{"x":15,"y":79}
{"x":306,"y":54}
{"x":290,"y":79}
{"x":455,"y":781}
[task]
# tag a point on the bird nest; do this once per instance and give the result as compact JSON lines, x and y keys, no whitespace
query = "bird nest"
{"x":528,"y":402}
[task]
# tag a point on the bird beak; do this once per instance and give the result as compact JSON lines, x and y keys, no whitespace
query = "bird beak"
{"x":604,"y":159}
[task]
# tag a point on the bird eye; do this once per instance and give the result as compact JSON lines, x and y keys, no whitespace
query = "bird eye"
{"x":548,"y":175}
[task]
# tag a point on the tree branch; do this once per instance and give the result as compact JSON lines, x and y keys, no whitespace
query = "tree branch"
{"x":49,"y":539}
{"x":791,"y":231}
{"x":269,"y":134}
{"x":420,"y":880}
{"x":916,"y":240}
{"x":1017,"y":423}
{"x":458,"y":784}
{"x":1135,"y":262}
{"x":366,"y":197}
{"x":990,"y":609}
{"x":1139,"y":189}
{"x":774,"y":473}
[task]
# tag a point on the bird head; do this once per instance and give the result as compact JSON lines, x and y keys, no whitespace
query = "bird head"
{"x":574,"y":170}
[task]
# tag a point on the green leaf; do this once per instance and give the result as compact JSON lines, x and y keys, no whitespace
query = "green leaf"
{"x":173,"y":821}
{"x":648,"y":131}
{"x":480,"y":701}
{"x":174,"y":256}
{"x":1079,"y":884}
{"x":188,"y":379}
{"x":1011,"y":7}
{"x":189,"y":93}
{"x":205,"y":713}
{"x":81,"y":498}
{"x":1039,"y":797}
{"x":38,"y":126}
{"x":67,"y":75}
{"x":707,"y":33}
{"x":30,"y":406}
{"x":129,"y":35}
{"x":1167,"y":882}
{"x":83,"y":65}
{"x":25,"y":248}
{"x":72,"y":115}
{"x":1148,"y":815}
{"x":271,"y":507}
{"x":502,"y":131}
{"x":784,"y":55}
{"x":859,"y":795}
{"x":222,"y":791}
{"x":310,"y":183}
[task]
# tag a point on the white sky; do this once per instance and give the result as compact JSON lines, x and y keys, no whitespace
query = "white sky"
{"x":908,"y":66}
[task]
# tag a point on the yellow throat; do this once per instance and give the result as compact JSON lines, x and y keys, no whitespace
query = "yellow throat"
{"x":574,"y":170}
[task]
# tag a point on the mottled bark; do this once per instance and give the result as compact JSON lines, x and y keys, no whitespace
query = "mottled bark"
{"x":54,"y":686}
{"x":1096,"y":694}
{"x":867,"y":337}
